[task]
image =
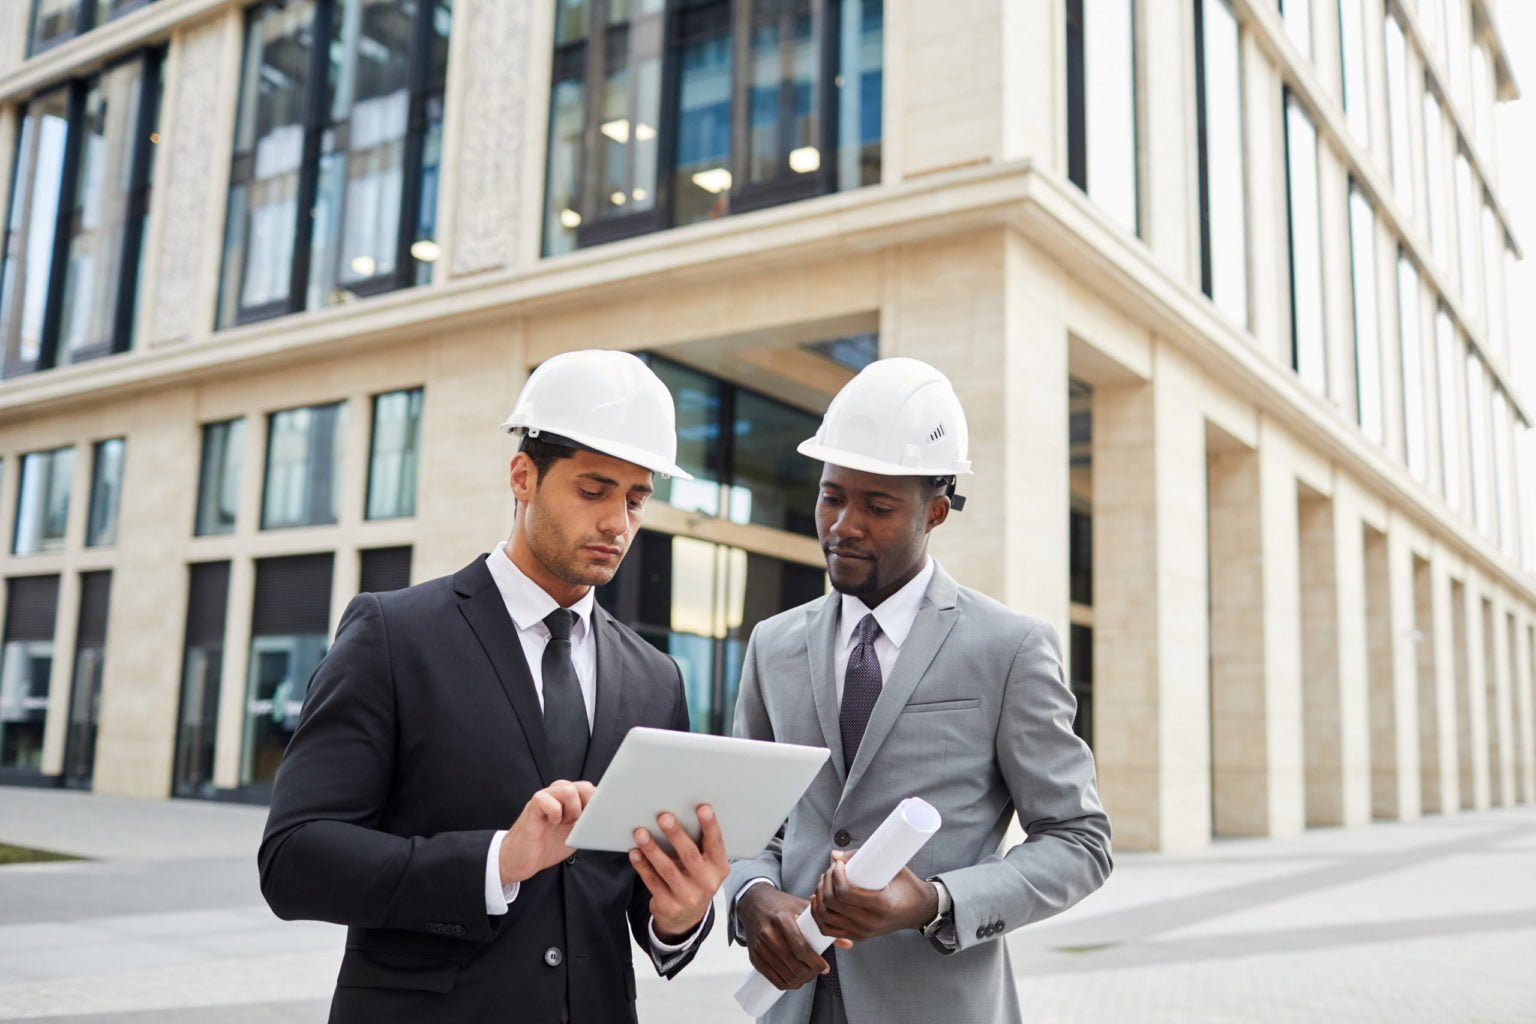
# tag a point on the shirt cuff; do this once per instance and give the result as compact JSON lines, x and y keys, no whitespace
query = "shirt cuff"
{"x":736,"y":932}
{"x":497,"y":896}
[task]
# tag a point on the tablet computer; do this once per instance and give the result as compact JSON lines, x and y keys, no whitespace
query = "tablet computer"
{"x":752,"y":786}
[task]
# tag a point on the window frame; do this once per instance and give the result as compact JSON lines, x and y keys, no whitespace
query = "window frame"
{"x":125,"y":287}
{"x":423,"y":92}
{"x":85,"y":21}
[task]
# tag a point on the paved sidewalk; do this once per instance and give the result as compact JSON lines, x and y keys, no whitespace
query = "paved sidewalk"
{"x":1429,"y":921}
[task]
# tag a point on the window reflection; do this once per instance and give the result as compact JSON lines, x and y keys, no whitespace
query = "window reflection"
{"x":1308,"y":352}
{"x":26,"y":668}
{"x":1469,"y":201}
{"x":42,"y":506}
{"x":1101,"y":62}
{"x":218,"y":482}
{"x":1362,"y":247}
{"x":289,"y":633}
{"x":1451,"y":436}
{"x":335,"y":196}
{"x":1479,"y":449}
{"x":393,"y":460}
{"x":106,"y":492}
{"x":303,"y":484}
{"x":1352,"y":54}
{"x":1219,"y":113}
{"x":1437,"y":185}
{"x":699,"y":602}
{"x":1398,"y":110}
{"x":29,"y":243}
{"x":1411,"y":352}
{"x":1298,"y":24}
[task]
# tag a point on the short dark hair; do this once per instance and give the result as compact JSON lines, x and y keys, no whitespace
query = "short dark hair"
{"x":545,"y":452}
{"x":937,"y":485}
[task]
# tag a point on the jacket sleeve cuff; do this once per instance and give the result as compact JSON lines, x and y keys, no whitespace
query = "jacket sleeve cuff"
{"x":497,"y":896}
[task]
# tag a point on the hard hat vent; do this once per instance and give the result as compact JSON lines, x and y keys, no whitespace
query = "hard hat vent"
{"x":936,"y":433}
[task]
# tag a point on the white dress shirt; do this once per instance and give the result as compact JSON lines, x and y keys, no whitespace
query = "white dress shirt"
{"x":527,"y":605}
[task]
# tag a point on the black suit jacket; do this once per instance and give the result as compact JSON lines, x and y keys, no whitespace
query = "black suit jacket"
{"x":421,"y":735}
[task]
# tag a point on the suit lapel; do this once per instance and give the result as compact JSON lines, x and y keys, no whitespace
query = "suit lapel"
{"x":935,"y":618}
{"x":821,"y":648}
{"x":607,"y":730}
{"x":486,"y":614}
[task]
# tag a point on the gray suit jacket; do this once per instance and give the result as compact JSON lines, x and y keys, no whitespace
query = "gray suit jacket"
{"x":977,"y":720}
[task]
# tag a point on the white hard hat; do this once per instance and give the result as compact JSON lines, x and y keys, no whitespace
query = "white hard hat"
{"x":605,"y":400}
{"x":897,"y":417}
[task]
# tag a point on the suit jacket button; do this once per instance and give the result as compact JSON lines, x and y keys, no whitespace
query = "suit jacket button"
{"x":981,"y":932}
{"x":553,"y":956}
{"x":571,"y":859}
{"x":842,"y":837}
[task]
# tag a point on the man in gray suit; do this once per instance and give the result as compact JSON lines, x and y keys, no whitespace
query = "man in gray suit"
{"x":920,"y":687}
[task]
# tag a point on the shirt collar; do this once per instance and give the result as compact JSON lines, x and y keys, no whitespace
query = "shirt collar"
{"x":526,"y":601}
{"x":895,"y":614}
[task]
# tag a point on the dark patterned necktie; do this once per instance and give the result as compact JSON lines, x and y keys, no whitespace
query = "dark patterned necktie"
{"x":861,"y":688}
{"x":565,"y":713}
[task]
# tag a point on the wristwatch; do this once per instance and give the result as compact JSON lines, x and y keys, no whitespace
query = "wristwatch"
{"x":945,"y":916}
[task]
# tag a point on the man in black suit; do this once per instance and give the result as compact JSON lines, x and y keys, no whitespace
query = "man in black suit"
{"x":499,"y":694}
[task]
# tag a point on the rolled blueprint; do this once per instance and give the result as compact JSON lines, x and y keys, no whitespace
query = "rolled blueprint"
{"x":873,"y":865}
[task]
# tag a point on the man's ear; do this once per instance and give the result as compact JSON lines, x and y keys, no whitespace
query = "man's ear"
{"x":523,"y":477}
{"x":938,"y":511}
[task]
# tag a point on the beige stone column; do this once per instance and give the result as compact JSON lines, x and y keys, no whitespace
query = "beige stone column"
{"x":493,"y":147}
{"x":1501,"y":731}
{"x":1165,"y":43}
{"x":1008,"y":104}
{"x":1525,"y":698}
{"x":1481,"y":788}
{"x":1334,"y":670}
{"x":140,"y":690}
{"x":464,"y":504}
{"x":1395,"y":708}
{"x":987,"y":310}
{"x":186,"y":232}
{"x":1256,"y":706}
{"x":1437,"y":711}
{"x":1151,"y":638}
{"x":66,"y":616}
{"x":230,"y":729}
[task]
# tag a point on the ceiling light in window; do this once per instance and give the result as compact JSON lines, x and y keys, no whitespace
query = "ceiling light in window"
{"x":618,"y":199}
{"x":640,"y":195}
{"x":154,"y":138}
{"x":644,"y":132}
{"x":570,"y":219}
{"x":426,"y":250}
{"x":805,"y":159}
{"x":363,"y":266}
{"x":617,"y":130}
{"x":715,"y":180}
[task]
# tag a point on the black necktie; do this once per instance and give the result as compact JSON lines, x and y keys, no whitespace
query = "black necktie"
{"x":565,"y":713}
{"x":861,"y":688}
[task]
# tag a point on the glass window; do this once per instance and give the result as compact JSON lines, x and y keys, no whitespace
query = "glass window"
{"x":201,"y":678}
{"x":334,"y":195}
{"x":289,"y":633}
{"x":662,"y":115}
{"x":1101,"y":104}
{"x":1308,"y":347}
{"x":1456,"y":46}
{"x":33,"y":226}
{"x":1494,"y":282}
{"x":699,"y":602}
{"x":1479,"y":449}
{"x":42,"y":507}
{"x":1452,"y":442}
{"x":303,"y":480}
{"x":106,"y":492}
{"x":1437,"y":181}
{"x":740,"y":447}
{"x":1482,"y":104}
{"x":70,"y":284}
{"x":1081,"y":639}
{"x":1469,"y":201}
{"x":1298,"y":24}
{"x":392,"y":462}
{"x":1352,"y":58}
{"x":1411,"y":350}
{"x":1219,"y":113}
{"x":218,"y":481}
{"x":54,"y":21}
{"x":1502,"y":474}
{"x":85,"y":686}
{"x":26,"y":668}
{"x":1398,"y":112}
{"x":1362,"y":247}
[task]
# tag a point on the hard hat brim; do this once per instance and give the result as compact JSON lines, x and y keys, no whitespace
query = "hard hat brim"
{"x":813,"y":449}
{"x":614,"y":449}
